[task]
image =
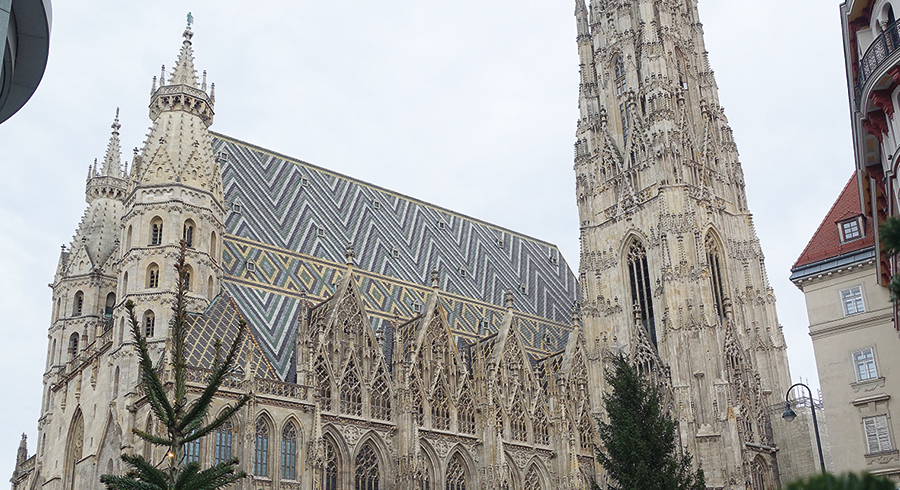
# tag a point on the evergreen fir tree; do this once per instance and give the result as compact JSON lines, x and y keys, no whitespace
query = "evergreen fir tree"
{"x":183,"y":420}
{"x":890,"y":241}
{"x":639,"y":449}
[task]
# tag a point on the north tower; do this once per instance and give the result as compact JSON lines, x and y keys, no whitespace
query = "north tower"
{"x":671,"y":268}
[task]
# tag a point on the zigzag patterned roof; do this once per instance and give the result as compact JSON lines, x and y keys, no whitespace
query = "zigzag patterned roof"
{"x":290,"y":222}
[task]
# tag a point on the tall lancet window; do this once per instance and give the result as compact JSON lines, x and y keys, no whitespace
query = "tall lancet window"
{"x":367,"y":468}
{"x":619,"y":72}
{"x":639,"y":277}
{"x":716,"y":276}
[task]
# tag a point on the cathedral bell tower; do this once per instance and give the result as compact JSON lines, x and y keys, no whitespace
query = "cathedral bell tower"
{"x":174,"y":194}
{"x":671,"y":268}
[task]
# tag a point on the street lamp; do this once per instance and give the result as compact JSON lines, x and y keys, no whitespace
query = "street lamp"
{"x":789,"y":415}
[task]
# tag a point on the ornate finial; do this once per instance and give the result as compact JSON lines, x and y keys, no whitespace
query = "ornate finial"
{"x":575,"y":315}
{"x":190,"y":20}
{"x":349,"y":254}
{"x":115,"y":125}
{"x":435,"y":279}
{"x":638,"y":314}
{"x":509,"y":299}
{"x":203,"y":87}
{"x":162,"y":75}
{"x":153,"y":87}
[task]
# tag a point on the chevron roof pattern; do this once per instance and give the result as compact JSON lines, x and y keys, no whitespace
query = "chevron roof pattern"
{"x":290,"y":222}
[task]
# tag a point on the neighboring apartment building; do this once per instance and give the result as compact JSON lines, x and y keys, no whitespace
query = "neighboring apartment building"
{"x":856,"y":345}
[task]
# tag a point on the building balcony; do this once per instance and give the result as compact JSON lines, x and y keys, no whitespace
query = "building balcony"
{"x":875,"y":60}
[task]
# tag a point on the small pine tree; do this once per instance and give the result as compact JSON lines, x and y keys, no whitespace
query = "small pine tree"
{"x":183,"y":421}
{"x":639,"y":450}
{"x":850,"y":481}
{"x":890,"y":240}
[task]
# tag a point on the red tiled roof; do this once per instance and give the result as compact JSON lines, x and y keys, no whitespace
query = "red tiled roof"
{"x":826,"y":242}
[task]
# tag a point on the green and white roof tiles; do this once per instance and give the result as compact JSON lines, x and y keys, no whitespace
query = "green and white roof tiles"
{"x":289,"y":224}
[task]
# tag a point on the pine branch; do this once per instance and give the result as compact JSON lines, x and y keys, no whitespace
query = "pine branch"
{"x":152,"y":439}
{"x":201,"y":404}
{"x":156,"y":394}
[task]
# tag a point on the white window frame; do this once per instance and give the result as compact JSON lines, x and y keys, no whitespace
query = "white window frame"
{"x":859,"y":230}
{"x":877,"y":434}
{"x":867,"y":362}
{"x":852,"y":297}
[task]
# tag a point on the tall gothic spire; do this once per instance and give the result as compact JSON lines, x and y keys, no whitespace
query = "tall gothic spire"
{"x":178,"y":148}
{"x":112,"y":162}
{"x":184,"y":73}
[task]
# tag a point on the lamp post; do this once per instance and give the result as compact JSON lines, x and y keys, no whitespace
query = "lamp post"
{"x":789,"y":415}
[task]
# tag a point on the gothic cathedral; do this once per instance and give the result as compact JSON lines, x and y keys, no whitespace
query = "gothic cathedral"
{"x":395,"y":344}
{"x":671,"y":269}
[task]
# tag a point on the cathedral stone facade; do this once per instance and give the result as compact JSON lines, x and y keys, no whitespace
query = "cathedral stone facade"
{"x":395,"y":344}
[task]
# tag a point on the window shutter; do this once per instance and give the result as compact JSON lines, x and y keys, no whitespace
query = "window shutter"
{"x":871,"y":435}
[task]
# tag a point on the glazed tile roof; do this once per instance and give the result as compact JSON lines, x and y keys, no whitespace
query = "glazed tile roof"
{"x":290,"y":222}
{"x":220,"y":321}
{"x":826,"y":242}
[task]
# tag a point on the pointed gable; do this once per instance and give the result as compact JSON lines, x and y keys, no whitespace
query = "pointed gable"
{"x":826,"y":243}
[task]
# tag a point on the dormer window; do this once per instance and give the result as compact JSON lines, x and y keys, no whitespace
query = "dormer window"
{"x":850,"y":230}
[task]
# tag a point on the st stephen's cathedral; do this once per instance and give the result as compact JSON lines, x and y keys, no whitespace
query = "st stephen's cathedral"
{"x":394,"y":344}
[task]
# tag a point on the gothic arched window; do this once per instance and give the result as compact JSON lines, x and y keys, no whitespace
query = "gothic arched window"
{"x":78,"y":305}
{"x":125,"y":283}
{"x":289,"y":452}
{"x":149,"y":324}
{"x":586,"y":432}
{"x":533,"y":479}
{"x":152,"y":276}
{"x":128,"y":237}
{"x":465,"y":414}
{"x":73,"y":346}
{"x":541,"y":429}
{"x":192,"y":451}
{"x":456,"y":474}
{"x":156,"y":230}
{"x":351,"y":393}
{"x":639,"y":278}
{"x":187,"y":233}
{"x":210,"y":291}
{"x":187,"y":277}
{"x":619,"y":72}
{"x":366,"y":468}
{"x":440,"y":409}
{"x":716,"y":276}
{"x":324,"y":382}
{"x":425,"y":473}
{"x":261,"y":449}
{"x":331,"y":465}
{"x":380,"y":398}
{"x":518,"y":428}
{"x":224,"y":440}
{"x":212,"y":245}
{"x":417,"y":409}
{"x":110,"y":304}
{"x":74,"y":449}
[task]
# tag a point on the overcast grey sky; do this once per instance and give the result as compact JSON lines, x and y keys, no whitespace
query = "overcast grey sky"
{"x":470,"y":105}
